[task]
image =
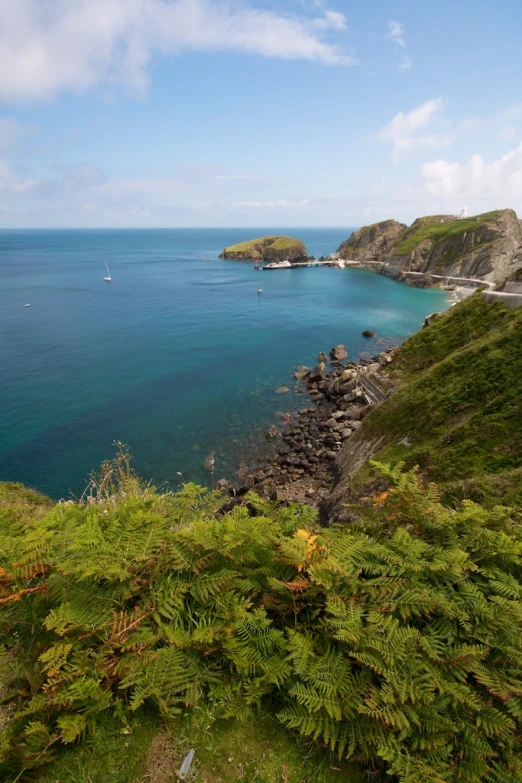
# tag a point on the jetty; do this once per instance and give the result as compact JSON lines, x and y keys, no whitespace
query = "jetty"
{"x":328,"y":262}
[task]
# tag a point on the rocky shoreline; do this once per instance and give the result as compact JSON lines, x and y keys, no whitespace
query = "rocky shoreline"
{"x":300,"y":465}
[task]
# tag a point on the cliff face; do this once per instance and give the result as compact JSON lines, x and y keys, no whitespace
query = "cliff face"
{"x":372,"y":243}
{"x":487,"y":247}
{"x":269,"y":248}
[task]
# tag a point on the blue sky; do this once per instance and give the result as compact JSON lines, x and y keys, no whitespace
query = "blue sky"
{"x":256,"y":112}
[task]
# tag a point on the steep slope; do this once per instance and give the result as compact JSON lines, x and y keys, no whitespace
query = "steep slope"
{"x":487,"y":246}
{"x":457,"y":412}
{"x":269,"y":248}
{"x":372,"y":243}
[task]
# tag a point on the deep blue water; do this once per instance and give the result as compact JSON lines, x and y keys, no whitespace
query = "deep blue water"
{"x":178,"y":357}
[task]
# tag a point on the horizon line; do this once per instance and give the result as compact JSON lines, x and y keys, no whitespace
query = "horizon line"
{"x":159,"y":228}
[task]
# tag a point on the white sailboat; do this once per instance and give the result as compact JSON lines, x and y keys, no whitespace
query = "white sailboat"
{"x":107,"y":278}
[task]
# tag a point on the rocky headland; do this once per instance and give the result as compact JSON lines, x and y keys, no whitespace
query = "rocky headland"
{"x":332,"y":440}
{"x":485,"y":247}
{"x":267,"y":249}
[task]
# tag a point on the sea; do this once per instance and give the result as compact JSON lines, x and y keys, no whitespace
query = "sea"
{"x":179,"y":357}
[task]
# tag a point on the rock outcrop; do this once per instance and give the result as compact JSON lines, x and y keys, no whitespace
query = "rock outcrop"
{"x":269,"y":248}
{"x":338,"y":353}
{"x":372,"y":243}
{"x":485,"y":247}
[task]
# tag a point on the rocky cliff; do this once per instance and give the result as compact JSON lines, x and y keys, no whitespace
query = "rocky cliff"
{"x":269,"y":248}
{"x":487,"y":247}
{"x":372,"y":243}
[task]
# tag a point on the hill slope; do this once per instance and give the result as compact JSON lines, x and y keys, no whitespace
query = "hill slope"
{"x":487,"y":246}
{"x":457,"y":412}
{"x":269,"y":248}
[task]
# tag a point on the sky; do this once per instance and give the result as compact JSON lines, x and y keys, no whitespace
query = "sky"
{"x":192,"y":113}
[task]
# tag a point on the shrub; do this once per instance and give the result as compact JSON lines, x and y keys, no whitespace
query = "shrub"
{"x":395,"y":642}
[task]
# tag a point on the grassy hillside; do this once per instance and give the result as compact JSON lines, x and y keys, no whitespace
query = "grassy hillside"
{"x":139,"y":625}
{"x":268,"y":247}
{"x":275,"y":242}
{"x":458,"y":412}
{"x":432,"y":228}
{"x":20,"y":504}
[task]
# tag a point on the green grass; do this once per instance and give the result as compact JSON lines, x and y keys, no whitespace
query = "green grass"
{"x":21,"y":503}
{"x":227,"y":751}
{"x":107,"y":755}
{"x":275,"y":243}
{"x":459,"y":404}
{"x":439,"y":231}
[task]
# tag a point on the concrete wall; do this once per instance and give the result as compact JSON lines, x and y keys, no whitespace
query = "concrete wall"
{"x":511,"y":300}
{"x":512,"y":288}
{"x":462,"y":281}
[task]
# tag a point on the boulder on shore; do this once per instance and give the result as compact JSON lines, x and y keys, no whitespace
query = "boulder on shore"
{"x":272,"y":432}
{"x":339,"y":353}
{"x":269,"y":248}
{"x":430,"y":319}
{"x":319,"y":372}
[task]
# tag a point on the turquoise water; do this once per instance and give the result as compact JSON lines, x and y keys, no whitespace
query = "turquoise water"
{"x":178,"y":357}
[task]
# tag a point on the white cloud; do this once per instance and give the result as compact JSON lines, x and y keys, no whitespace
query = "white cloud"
{"x":47,"y":46}
{"x":497,"y":183}
{"x":332,"y":20}
{"x":9,"y":127}
{"x":11,"y":180}
{"x":508,"y":134}
{"x":403,"y":130}
{"x":513,"y":113}
{"x":186,"y":179}
{"x":270,"y":204}
{"x":406,"y":64}
{"x":83,"y":194}
{"x":396,"y":33}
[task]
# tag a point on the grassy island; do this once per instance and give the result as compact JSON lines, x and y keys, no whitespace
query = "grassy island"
{"x":269,"y":248}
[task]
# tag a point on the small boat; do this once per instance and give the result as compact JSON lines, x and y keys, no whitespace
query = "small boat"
{"x":107,"y":278}
{"x":27,"y":305}
{"x":259,"y":290}
{"x":279,"y":265}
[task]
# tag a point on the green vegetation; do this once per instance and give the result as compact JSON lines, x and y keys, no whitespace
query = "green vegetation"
{"x":394,"y":642}
{"x":277,"y":243}
{"x":20,"y":503}
{"x":113,"y":751}
{"x":267,"y":247}
{"x":146,"y":749}
{"x":432,"y":228}
{"x":460,"y":404}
